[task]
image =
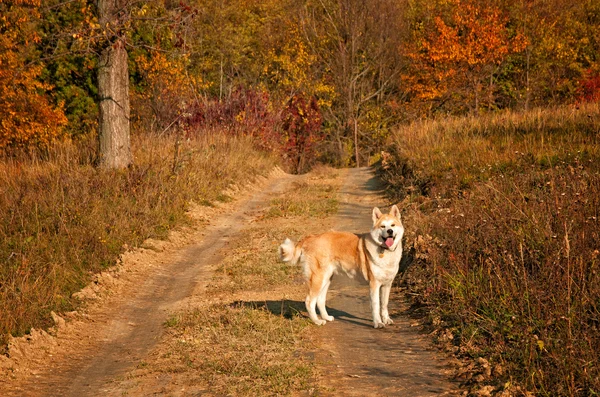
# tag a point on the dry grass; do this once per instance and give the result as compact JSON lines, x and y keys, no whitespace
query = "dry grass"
{"x":241,"y":350}
{"x":254,"y":263}
{"x":256,"y":347}
{"x":320,"y":201}
{"x":511,"y":202}
{"x":61,"y":219}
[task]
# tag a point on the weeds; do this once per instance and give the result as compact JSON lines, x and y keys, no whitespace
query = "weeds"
{"x":241,"y":350}
{"x":254,"y":347}
{"x":61,"y":219}
{"x":512,"y":206}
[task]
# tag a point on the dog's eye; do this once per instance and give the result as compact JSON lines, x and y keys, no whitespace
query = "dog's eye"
{"x":383,"y":227}
{"x":393,"y":225}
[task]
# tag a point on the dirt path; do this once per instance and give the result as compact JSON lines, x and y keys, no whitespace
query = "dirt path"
{"x":359,"y":360}
{"x":96,"y":352}
{"x":119,"y":333}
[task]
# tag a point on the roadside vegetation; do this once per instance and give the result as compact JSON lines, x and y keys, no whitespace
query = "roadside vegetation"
{"x":504,"y":215}
{"x":254,"y":341}
{"x":62,"y":220}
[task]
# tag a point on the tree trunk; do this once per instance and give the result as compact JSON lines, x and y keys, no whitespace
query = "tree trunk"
{"x":356,"y":142}
{"x":113,"y":90}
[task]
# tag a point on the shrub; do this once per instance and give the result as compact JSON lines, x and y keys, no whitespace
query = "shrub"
{"x":302,"y":132}
{"x":512,"y":263}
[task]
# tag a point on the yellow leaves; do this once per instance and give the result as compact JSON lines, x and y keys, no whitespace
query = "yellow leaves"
{"x":240,"y":116}
{"x":291,"y":68}
{"x":34,"y":3}
{"x":540,"y":344}
{"x":142,"y":10}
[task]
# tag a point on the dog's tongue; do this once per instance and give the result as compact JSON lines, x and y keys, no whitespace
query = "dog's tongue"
{"x":389,"y":242}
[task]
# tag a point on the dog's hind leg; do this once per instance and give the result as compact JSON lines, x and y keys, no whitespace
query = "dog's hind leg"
{"x":315,"y":287}
{"x":323,"y":298}
{"x":385,"y":298}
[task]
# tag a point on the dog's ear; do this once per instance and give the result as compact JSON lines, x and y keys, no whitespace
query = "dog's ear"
{"x":395,"y":212}
{"x":376,"y":214}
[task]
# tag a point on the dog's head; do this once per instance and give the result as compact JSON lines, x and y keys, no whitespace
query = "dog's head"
{"x":387,"y":228}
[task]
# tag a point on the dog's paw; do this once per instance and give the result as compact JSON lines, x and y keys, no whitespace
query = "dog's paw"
{"x":320,"y":322}
{"x":388,"y":321}
{"x":328,"y":318}
{"x":378,"y":325}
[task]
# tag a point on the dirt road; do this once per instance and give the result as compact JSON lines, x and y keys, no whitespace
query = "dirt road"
{"x":94,"y":352}
{"x":395,"y":361}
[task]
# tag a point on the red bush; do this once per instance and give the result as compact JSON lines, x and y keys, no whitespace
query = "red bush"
{"x":302,"y":130}
{"x":589,"y":87}
{"x":245,"y":112}
{"x":294,"y":132}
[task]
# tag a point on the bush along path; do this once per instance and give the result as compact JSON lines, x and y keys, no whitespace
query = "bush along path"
{"x":212,"y":311}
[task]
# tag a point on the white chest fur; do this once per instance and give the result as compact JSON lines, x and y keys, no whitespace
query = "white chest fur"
{"x":384,"y":263}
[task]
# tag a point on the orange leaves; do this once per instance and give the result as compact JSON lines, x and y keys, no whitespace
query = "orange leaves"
{"x":485,"y":37}
{"x":456,"y":53}
{"x":35,"y":3}
{"x":166,"y":85}
{"x":27,"y":117}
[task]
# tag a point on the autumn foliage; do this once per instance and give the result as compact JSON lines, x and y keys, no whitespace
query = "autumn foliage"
{"x":369,"y":64}
{"x":457,"y":59}
{"x":27,"y":115}
{"x":302,"y":132}
{"x":589,"y":90}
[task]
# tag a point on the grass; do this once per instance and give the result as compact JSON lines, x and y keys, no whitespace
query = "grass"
{"x":240,"y":350}
{"x":322,"y":204}
{"x":253,"y":263}
{"x":257,"y":347}
{"x":504,"y":215}
{"x":62,"y":220}
{"x":308,"y":199}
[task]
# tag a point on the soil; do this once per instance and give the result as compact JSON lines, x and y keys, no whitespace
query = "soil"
{"x":91,"y":352}
{"x":360,"y":360}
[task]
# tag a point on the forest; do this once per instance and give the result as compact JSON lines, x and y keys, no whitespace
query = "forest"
{"x":313,"y":80}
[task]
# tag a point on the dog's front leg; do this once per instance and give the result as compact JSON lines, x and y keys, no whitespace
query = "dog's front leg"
{"x":375,"y":305}
{"x":385,"y":298}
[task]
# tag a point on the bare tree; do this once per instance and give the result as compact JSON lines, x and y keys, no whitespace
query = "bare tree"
{"x":358,"y":42}
{"x":113,"y":88}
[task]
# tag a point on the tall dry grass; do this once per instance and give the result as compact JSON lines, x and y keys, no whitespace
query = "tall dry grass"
{"x":62,"y":219}
{"x":511,"y":202}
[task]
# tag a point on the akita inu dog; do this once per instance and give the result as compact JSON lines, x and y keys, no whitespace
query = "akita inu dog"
{"x":375,"y":256}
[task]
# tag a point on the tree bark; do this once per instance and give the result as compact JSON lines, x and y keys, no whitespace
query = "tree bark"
{"x":356,"y":142}
{"x":113,"y":90}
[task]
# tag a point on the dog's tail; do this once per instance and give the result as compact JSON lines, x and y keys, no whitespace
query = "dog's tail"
{"x":289,"y":252}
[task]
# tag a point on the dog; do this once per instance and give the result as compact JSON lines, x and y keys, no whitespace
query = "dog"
{"x":374,"y":256}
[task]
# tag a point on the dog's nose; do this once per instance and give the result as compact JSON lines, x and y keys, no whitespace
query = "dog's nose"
{"x":390,"y":232}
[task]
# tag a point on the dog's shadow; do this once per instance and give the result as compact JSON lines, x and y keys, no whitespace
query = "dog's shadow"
{"x":291,"y":309}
